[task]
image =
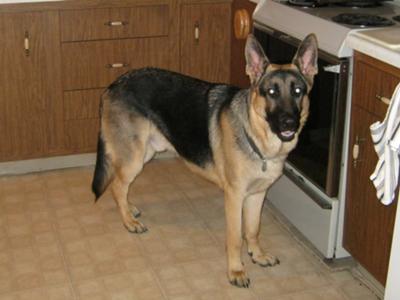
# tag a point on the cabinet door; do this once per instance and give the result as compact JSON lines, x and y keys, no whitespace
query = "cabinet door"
{"x":368,"y":224}
{"x":29,"y":90}
{"x":205,"y":41}
{"x":373,"y":79}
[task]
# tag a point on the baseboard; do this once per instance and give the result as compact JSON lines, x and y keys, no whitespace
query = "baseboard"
{"x":57,"y":162}
{"x":369,"y":281}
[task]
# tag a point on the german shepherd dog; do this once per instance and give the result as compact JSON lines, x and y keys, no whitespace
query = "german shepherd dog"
{"x":237,"y":138}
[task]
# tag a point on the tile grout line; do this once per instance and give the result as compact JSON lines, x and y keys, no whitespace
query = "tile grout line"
{"x":61,"y":247}
{"x":152,"y":270}
{"x":215,"y":240}
{"x":54,"y":230}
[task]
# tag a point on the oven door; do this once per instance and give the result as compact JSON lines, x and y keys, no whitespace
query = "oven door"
{"x":318,"y":153}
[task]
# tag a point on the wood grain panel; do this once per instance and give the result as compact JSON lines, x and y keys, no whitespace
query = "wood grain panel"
{"x":373,"y":78}
{"x":76,"y":4}
{"x":81,"y":135}
{"x":82,"y":104}
{"x":88,"y":24}
{"x":52,"y":83}
{"x":92,"y":24}
{"x":144,"y":21}
{"x":85,"y":64}
{"x":368,"y":224}
{"x":207,"y":57}
{"x":28,"y":86}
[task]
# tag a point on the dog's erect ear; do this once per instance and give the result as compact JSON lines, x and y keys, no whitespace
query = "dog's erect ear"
{"x":256,"y":61}
{"x":306,"y":58}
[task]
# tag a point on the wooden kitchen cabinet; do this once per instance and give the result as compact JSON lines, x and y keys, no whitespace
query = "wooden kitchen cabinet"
{"x":368,"y":226}
{"x":50,"y":95}
{"x":205,"y":41}
{"x":99,"y":45}
{"x":30,"y":86}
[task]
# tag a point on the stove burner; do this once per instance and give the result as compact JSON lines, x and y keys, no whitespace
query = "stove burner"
{"x":345,"y":3}
{"x":359,"y":3}
{"x":303,"y":3}
{"x":362,"y":20}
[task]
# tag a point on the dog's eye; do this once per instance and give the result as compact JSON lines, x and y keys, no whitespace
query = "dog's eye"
{"x":297,"y":91}
{"x":271,"y":92}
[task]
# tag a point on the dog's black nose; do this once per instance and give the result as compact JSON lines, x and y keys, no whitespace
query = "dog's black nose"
{"x":287,"y":123}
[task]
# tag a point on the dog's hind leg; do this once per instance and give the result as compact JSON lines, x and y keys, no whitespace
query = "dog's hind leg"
{"x":126,"y":171}
{"x":149,"y":153}
{"x":252,"y":210}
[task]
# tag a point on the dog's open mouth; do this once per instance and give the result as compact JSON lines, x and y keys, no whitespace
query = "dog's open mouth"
{"x":287,"y":135}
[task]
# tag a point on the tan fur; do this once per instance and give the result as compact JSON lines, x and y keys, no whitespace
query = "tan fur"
{"x":241,"y":178}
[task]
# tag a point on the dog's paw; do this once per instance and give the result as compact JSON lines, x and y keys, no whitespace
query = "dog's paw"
{"x":135,"y":227}
{"x":239,"y":279}
{"x":264,"y":260}
{"x":135,"y":211}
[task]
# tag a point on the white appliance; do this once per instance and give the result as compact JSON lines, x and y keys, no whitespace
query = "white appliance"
{"x":313,"y":205}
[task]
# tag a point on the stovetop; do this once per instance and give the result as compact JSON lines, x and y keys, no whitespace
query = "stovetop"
{"x":298,"y":21}
{"x":328,"y":12}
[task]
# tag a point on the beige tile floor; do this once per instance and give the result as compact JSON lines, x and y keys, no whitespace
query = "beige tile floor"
{"x":56,"y":243}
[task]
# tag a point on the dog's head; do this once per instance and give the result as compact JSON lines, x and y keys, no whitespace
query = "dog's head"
{"x":279,"y":93}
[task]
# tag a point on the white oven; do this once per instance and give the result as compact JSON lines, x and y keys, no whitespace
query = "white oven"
{"x":311,"y":193}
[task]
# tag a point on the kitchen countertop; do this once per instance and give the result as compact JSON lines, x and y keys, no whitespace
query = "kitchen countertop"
{"x":24,"y":1}
{"x":382,"y":44}
{"x":10,"y":6}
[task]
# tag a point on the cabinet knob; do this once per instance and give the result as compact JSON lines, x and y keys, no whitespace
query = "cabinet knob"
{"x":26,"y":44}
{"x":356,"y":150}
{"x":117,"y":65}
{"x":116,"y":23}
{"x":383,"y":99}
{"x":241,"y":24}
{"x":197,"y":31}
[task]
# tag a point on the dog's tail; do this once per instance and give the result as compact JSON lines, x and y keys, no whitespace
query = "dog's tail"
{"x":103,"y":171}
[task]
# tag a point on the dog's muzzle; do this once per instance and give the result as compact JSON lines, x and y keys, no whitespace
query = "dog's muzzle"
{"x":288,"y":126}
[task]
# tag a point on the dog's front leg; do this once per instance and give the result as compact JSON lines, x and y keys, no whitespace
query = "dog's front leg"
{"x":233,"y":211}
{"x":252,"y":209}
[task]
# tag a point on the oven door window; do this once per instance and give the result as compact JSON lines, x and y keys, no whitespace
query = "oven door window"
{"x":313,"y":155}
{"x":313,"y":151}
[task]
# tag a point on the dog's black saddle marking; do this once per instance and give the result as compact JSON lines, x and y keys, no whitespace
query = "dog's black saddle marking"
{"x":178,"y":105}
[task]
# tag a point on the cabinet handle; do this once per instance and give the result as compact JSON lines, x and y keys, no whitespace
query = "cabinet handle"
{"x":241,"y":24}
{"x":356,"y":150}
{"x":197,"y":32}
{"x":383,"y":99}
{"x":26,"y":44}
{"x":117,"y":65}
{"x":116,"y":23}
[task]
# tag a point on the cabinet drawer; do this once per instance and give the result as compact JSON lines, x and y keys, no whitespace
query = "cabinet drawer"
{"x":373,"y":79}
{"x":81,"y":135}
{"x":96,"y":64}
{"x":82,"y":104}
{"x":114,"y":23}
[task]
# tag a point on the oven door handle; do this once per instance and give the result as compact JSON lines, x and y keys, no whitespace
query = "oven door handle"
{"x":303,"y":185}
{"x":333,"y":68}
{"x":277,"y":34}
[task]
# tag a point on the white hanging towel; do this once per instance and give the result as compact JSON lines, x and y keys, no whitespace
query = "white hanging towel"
{"x":386,"y":138}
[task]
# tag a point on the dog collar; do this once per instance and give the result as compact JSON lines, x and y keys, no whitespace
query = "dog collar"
{"x":257,"y":151}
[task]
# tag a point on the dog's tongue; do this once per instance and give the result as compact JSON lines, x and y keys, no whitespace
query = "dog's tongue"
{"x":287,"y":133}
